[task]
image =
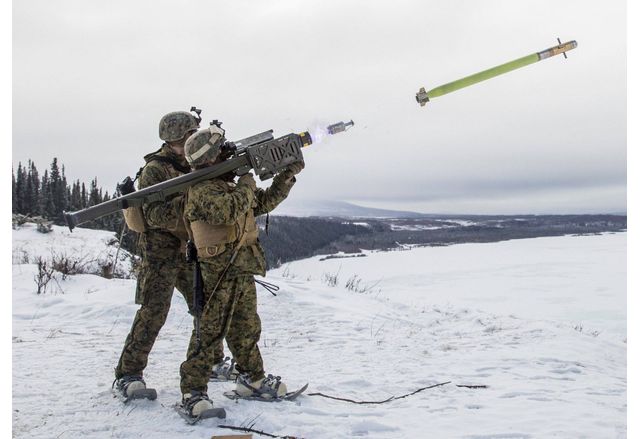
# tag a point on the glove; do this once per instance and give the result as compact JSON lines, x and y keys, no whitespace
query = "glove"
{"x":291,"y":170}
{"x":247,"y":180}
{"x":295,"y":168}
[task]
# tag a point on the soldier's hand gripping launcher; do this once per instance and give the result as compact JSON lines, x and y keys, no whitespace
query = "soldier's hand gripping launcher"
{"x":261,"y":153}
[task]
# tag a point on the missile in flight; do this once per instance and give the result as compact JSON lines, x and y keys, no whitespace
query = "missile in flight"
{"x":425,"y":96}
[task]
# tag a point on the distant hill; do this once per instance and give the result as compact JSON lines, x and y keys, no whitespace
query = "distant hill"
{"x":298,"y":237}
{"x":328,"y":208}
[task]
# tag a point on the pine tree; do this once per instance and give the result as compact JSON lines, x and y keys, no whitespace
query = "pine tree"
{"x":42,"y":197}
{"x":58,"y":191}
{"x":83,"y":196}
{"x":64,"y":193}
{"x":14,"y":201}
{"x":95,"y":196}
{"x":35,"y":189}
{"x":48,"y":208}
{"x":76,"y":200}
{"x":20,"y":184}
{"x":28,"y":192}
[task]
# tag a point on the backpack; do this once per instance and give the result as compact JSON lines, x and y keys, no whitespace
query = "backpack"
{"x":134,"y":216}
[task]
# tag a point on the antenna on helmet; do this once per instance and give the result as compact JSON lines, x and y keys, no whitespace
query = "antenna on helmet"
{"x":197,"y":111}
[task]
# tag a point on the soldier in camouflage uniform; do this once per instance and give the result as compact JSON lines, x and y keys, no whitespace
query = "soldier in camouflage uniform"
{"x":221,"y":218}
{"x":161,"y":246}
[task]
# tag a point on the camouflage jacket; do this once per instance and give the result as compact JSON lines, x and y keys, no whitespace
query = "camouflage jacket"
{"x":219,"y":202}
{"x":166,"y":232}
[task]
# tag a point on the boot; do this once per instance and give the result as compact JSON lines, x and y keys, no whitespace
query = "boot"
{"x":225,"y":370}
{"x":128,"y":384}
{"x":195,"y":403}
{"x":269,"y":387}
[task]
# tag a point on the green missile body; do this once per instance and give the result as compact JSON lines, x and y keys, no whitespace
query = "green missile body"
{"x":424,"y":96}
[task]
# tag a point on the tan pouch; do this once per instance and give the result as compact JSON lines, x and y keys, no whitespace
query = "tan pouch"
{"x":135,"y":219}
{"x":179,"y":230}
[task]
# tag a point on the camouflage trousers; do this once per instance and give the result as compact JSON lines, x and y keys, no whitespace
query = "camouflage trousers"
{"x":154,"y":290}
{"x":234,"y":304}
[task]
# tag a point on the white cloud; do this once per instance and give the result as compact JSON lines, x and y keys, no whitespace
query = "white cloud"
{"x":91,"y":81}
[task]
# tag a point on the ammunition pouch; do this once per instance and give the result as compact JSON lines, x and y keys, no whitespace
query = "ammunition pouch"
{"x":134,"y":218}
{"x":179,"y":230}
{"x":211,"y":240}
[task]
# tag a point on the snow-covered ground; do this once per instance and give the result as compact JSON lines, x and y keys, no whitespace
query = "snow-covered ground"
{"x":579,"y":280}
{"x":92,"y":249}
{"x":541,"y":322}
{"x":414,"y":227}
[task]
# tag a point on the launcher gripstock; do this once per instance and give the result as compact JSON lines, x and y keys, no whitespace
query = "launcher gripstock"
{"x":260,"y":153}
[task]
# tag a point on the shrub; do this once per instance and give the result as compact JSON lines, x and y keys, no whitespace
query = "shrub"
{"x":46,"y":274}
{"x":356,"y":285}
{"x":67,"y":265}
{"x":331,"y":279}
{"x":17,"y":220}
{"x":44,"y":226}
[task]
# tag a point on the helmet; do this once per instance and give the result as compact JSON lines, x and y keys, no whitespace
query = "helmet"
{"x":173,"y":126}
{"x":203,"y":145}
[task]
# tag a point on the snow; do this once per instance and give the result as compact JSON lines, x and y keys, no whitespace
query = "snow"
{"x":573,"y":279}
{"x":464,"y":223}
{"x":415,"y":227}
{"x":358,"y":223}
{"x":90,"y":247}
{"x":541,"y":322}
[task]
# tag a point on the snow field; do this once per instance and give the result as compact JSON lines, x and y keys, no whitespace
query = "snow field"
{"x":90,"y":247}
{"x":545,"y":376}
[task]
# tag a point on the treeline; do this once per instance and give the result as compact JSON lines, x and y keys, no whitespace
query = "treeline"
{"x":292,"y":238}
{"x":479,"y":229}
{"x":49,"y":195}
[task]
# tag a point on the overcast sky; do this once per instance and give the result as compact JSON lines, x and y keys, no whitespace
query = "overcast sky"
{"x":91,"y":80}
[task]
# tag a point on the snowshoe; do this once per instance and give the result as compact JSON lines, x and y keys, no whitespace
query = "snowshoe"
{"x":225,"y":370}
{"x":268,"y":389}
{"x":196,"y":406}
{"x":131,"y":387}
